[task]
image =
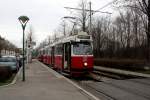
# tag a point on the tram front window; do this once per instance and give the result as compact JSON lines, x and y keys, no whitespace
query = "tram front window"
{"x":84,"y":48}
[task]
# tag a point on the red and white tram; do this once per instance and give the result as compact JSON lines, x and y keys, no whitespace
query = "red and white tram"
{"x":40,"y":55}
{"x":72,"y":54}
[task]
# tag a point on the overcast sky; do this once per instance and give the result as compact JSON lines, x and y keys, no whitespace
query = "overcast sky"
{"x":45,"y":16}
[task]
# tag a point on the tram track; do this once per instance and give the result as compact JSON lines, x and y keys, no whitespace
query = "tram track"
{"x":95,"y":77}
{"x":93,"y":87}
{"x":102,"y":76}
{"x":92,"y":83}
{"x":106,"y":74}
{"x":100,"y":92}
{"x":107,"y":78}
{"x":140,"y":82}
{"x":129,"y":90}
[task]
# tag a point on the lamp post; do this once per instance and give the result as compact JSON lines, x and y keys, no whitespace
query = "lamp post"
{"x":23,"y":20}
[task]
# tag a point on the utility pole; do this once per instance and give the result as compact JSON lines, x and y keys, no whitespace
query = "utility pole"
{"x":74,"y":24}
{"x":91,"y":12}
{"x":64,"y":25}
{"x":90,"y":26}
{"x":83,"y":14}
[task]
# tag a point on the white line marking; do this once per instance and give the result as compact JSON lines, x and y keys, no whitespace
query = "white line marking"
{"x":74,"y":84}
{"x":88,"y":93}
{"x":52,"y":71}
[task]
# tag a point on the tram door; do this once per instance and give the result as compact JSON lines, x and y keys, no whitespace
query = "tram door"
{"x":67,"y":56}
{"x":52,"y":57}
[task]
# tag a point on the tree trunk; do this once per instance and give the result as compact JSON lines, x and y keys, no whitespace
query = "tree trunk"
{"x":148,"y":40}
{"x":148,"y":34}
{"x":83,"y":26}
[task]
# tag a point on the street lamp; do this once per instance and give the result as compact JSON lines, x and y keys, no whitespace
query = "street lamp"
{"x":23,"y":20}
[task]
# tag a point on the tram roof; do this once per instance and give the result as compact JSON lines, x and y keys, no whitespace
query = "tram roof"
{"x":82,"y":36}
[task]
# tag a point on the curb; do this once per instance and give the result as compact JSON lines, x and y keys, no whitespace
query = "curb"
{"x":119,"y":71}
{"x":14,"y":80}
{"x":68,"y":80}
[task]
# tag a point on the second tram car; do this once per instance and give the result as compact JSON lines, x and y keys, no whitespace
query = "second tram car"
{"x":72,"y":54}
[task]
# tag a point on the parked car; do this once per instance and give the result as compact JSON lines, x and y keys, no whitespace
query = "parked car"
{"x":10,"y":61}
{"x":5,"y":72}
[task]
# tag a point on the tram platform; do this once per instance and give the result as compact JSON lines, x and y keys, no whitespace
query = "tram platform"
{"x":42,"y":83}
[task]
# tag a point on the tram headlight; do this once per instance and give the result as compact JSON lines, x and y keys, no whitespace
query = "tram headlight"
{"x":85,"y":64}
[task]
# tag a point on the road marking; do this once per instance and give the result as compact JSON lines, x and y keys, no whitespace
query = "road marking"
{"x":74,"y":84}
{"x":50,"y":70}
{"x":80,"y":88}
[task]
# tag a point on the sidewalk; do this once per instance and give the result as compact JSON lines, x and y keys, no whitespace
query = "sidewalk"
{"x":42,"y":84}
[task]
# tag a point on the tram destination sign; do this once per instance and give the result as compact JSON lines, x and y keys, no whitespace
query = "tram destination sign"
{"x":83,"y":37}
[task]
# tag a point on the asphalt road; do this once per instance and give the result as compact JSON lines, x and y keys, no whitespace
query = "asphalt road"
{"x":129,"y":89}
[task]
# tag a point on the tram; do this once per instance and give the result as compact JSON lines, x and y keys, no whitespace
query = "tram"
{"x":72,"y":54}
{"x":40,"y":55}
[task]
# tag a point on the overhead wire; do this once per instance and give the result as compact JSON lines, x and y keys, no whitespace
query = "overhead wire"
{"x":110,"y":3}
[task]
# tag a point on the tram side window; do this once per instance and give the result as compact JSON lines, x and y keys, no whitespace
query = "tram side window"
{"x":46,"y":51}
{"x":49,"y":51}
{"x":43,"y":52}
{"x":58,"y":50}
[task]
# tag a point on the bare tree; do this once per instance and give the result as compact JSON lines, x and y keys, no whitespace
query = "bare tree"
{"x":31,"y":35}
{"x":84,"y":14}
{"x":144,"y":7}
{"x":6,"y":45}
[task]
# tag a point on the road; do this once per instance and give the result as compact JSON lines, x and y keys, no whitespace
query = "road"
{"x":129,"y":89}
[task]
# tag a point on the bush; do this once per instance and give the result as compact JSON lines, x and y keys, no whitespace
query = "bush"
{"x":5,"y":72}
{"x":128,"y":64}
